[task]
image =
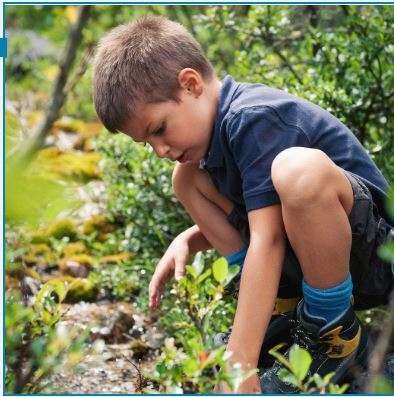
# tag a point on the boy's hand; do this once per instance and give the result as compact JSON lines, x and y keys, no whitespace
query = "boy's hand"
{"x":248,"y":386}
{"x":173,"y":261}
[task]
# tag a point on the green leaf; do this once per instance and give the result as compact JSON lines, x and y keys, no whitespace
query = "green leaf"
{"x":320,"y":383}
{"x":203,"y":276}
{"x":198,"y":263}
{"x":335,"y":389}
{"x":191,"y":270}
{"x":300,"y":361}
{"x":386,"y":251}
{"x":286,"y":376}
{"x":190,"y":366}
{"x":280,"y":357}
{"x":328,"y":377}
{"x":232,"y":272}
{"x":220,"y":270}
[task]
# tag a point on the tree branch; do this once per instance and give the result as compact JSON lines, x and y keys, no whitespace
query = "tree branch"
{"x":59,"y":92}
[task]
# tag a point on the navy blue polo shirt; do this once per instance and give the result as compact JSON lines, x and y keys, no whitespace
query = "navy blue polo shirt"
{"x":255,"y":122}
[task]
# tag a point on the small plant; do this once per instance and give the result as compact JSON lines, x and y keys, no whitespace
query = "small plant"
{"x":117,"y":281}
{"x":37,"y":345}
{"x":296,"y":371}
{"x":188,"y":362}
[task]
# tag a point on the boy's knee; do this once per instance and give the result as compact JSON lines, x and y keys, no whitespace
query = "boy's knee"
{"x":299,"y":174}
{"x":182,"y":179}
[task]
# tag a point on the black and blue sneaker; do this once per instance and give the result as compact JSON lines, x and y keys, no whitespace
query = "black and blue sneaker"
{"x":278,"y":330}
{"x":339,"y":346}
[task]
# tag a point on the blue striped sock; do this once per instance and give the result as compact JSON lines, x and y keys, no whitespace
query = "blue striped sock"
{"x":237,"y":258}
{"x":328,"y":303}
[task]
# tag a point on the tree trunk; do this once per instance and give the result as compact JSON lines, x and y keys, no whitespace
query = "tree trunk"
{"x":59,"y":93}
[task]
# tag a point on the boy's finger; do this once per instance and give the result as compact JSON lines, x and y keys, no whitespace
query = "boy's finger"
{"x":180,"y":262}
{"x":180,"y":267}
{"x":154,"y":295}
{"x":158,"y":279}
{"x":154,"y":302}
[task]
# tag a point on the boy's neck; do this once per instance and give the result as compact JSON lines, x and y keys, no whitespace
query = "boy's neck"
{"x":214,"y":88}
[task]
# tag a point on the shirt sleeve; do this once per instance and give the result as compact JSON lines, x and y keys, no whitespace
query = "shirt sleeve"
{"x":256,"y":136}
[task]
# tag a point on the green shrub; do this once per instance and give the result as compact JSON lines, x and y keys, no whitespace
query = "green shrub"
{"x":189,"y":363}
{"x":139,"y":196}
{"x":118,"y":281}
{"x":36,"y":345}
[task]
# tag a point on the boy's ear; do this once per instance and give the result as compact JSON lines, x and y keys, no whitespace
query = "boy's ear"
{"x":191,"y":81}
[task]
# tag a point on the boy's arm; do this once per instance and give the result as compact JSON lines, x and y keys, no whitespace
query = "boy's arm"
{"x":259,"y":286}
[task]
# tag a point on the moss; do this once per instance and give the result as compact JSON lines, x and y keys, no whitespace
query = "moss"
{"x":115,"y":259}
{"x":67,"y":124}
{"x":78,"y":289}
{"x":39,"y":249}
{"x":40,"y":255}
{"x":67,"y":280}
{"x":81,"y":289}
{"x":82,"y":259}
{"x":19,"y":271}
{"x":33,"y":274}
{"x":87,"y":129}
{"x":62,"y":228}
{"x":39,"y":237}
{"x":98,"y":223}
{"x":69,"y":164}
{"x":74,"y":248}
{"x":139,"y":348}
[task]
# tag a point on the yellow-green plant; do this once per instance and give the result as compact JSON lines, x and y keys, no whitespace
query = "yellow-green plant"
{"x":296,"y":372}
{"x":37,"y":345}
{"x":189,"y":363}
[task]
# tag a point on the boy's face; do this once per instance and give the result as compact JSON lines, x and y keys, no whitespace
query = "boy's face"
{"x":180,"y":131}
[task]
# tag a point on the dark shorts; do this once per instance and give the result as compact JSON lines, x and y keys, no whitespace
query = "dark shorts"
{"x":372,"y":277}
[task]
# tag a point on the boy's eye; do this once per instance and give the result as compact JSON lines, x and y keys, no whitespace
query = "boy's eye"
{"x":160,"y":130}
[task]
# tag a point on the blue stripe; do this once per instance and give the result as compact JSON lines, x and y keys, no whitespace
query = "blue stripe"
{"x":3,"y":47}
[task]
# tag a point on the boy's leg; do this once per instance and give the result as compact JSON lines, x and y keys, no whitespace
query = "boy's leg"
{"x":316,"y":198}
{"x":207,"y":207}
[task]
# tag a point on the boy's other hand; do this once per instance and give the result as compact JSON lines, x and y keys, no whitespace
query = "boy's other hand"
{"x":173,"y":261}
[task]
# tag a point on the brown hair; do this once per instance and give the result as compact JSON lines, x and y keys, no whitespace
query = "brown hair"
{"x":139,"y":63}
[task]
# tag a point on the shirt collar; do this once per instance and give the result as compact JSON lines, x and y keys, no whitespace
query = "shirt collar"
{"x":214,"y":156}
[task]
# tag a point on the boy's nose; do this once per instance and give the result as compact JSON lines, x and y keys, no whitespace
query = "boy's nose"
{"x":162,"y":150}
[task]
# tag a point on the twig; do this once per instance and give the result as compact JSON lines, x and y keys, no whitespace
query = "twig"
{"x":141,"y":379}
{"x":86,"y":58}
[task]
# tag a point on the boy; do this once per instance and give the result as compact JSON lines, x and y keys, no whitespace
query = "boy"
{"x":271,"y":181}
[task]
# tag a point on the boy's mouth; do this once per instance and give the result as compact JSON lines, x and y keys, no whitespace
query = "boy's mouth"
{"x":182,"y":158}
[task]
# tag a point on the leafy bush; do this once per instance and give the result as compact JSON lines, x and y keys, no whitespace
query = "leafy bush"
{"x":118,"y":281}
{"x":189,"y":363}
{"x":338,"y":57}
{"x":139,"y":196}
{"x":36,"y":345}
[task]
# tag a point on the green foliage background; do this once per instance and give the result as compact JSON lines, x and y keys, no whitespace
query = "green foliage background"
{"x":339,"y":57}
